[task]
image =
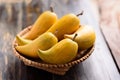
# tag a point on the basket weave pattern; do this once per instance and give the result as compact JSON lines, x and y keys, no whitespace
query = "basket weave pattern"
{"x":59,"y":69}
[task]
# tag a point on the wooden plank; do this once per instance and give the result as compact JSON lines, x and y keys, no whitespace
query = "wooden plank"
{"x":100,"y":65}
{"x":12,"y":20}
{"x":110,"y":25}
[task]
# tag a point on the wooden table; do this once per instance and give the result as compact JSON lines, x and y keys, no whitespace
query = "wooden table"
{"x":103,"y":64}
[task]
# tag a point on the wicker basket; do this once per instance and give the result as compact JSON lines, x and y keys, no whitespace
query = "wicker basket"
{"x":59,"y":69}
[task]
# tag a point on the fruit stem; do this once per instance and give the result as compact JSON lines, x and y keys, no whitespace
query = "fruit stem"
{"x":51,"y":9}
{"x":80,"y":13}
{"x":74,"y":36}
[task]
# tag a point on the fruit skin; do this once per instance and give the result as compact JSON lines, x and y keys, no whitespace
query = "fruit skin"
{"x":43,"y":42}
{"x":21,"y":41}
{"x":85,"y":37}
{"x":62,"y":52}
{"x":65,"y":25}
{"x":42,"y":24}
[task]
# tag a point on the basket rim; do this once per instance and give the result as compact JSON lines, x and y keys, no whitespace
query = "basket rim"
{"x":35,"y":63}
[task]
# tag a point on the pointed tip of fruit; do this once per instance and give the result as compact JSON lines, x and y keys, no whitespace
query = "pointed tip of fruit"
{"x":21,"y":41}
{"x":68,"y":36}
{"x":17,"y":36}
{"x":39,"y":51}
{"x":41,"y":54}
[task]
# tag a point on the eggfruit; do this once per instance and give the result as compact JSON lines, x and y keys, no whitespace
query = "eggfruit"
{"x":43,"y":42}
{"x":65,"y":25}
{"x":62,"y":52}
{"x":41,"y":25}
{"x":85,"y":37}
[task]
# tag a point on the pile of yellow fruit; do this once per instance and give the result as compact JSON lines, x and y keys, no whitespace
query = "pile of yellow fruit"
{"x":54,"y":40}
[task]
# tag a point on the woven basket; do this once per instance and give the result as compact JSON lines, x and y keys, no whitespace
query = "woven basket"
{"x":59,"y":69}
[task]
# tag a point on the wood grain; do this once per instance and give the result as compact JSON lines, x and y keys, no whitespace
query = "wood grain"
{"x":99,"y":66}
{"x":93,"y":66}
{"x":110,"y":25}
{"x":12,"y":20}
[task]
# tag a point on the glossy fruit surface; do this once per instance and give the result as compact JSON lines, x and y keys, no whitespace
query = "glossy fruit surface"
{"x":21,"y":41}
{"x":42,"y":24}
{"x":43,"y":42}
{"x":65,"y":25}
{"x":62,"y":52}
{"x":85,"y":37}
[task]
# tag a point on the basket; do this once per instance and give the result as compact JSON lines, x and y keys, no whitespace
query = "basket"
{"x":59,"y":69}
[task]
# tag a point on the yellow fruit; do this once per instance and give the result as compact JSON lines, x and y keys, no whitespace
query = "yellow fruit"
{"x":65,"y":25}
{"x":85,"y":37}
{"x":43,"y":42}
{"x":62,"y":52}
{"x":21,"y":41}
{"x":43,"y":23}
